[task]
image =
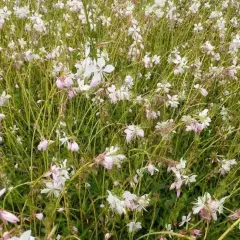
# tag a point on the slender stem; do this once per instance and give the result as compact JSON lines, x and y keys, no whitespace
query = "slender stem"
{"x":229,"y":229}
{"x":206,"y":232}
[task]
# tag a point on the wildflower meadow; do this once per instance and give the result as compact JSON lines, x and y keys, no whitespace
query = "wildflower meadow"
{"x":119,"y":119}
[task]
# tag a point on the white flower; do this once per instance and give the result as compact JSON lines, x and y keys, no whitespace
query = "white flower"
{"x":198,"y":27}
{"x":160,"y":3}
{"x":133,"y":131}
{"x":128,"y":81}
{"x":58,"y":175}
{"x":25,"y":236}
{"x":235,"y":44}
{"x":185,"y":220}
{"x":204,"y":118}
{"x":21,"y":12}
{"x":52,"y":188}
{"x":165,"y":87}
{"x":2,"y":191}
{"x":116,"y":95}
{"x":169,"y":229}
{"x":130,"y":200}
{"x":156,"y":59}
{"x":194,"y":7}
{"x":107,"y":236}
{"x":98,"y":69}
{"x":147,"y":61}
{"x":207,"y":207}
{"x":123,"y":93}
{"x":208,"y":48}
{"x":82,"y":86}
{"x":189,"y":179}
{"x":116,"y":204}
{"x":143,"y":202}
{"x":4,"y":98}
{"x":226,"y":166}
{"x":172,"y":101}
{"x":134,"y":226}
{"x":202,"y":90}
{"x":112,"y":158}
{"x":180,"y":64}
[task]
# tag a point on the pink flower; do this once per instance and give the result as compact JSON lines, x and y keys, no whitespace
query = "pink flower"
{"x":177,"y":185}
{"x":60,"y":82}
{"x":39,"y":216}
{"x":195,"y":126}
{"x":195,"y":232}
{"x":235,"y":215}
{"x":42,"y":146}
{"x":8,"y":217}
{"x":108,"y":163}
{"x":73,"y":146}
{"x":133,"y":131}
{"x":151,"y":169}
{"x":208,"y":208}
{"x":71,"y":93}
{"x":64,"y":82}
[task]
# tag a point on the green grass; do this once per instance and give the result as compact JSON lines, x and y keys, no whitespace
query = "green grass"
{"x":37,"y":108}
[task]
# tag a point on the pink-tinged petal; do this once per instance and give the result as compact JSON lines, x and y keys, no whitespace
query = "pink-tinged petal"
{"x":178,"y":193}
{"x":39,"y":216}
{"x":42,"y":146}
{"x":96,"y":80}
{"x":68,"y":82}
{"x":195,"y":232}
{"x":109,"y":69}
{"x":178,"y":184}
{"x":73,"y":146}
{"x":71,"y":93}
{"x":214,"y":216}
{"x":235,"y":215}
{"x":9,"y":217}
{"x":59,"y":84}
{"x":108,"y":163}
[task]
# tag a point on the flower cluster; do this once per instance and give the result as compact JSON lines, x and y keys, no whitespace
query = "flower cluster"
{"x":208,"y":208}
{"x":181,"y":178}
{"x":110,"y":158}
{"x":58,"y":175}
{"x":128,"y":201}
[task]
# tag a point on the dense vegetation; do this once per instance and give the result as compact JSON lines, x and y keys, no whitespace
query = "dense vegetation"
{"x":119,"y":119}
